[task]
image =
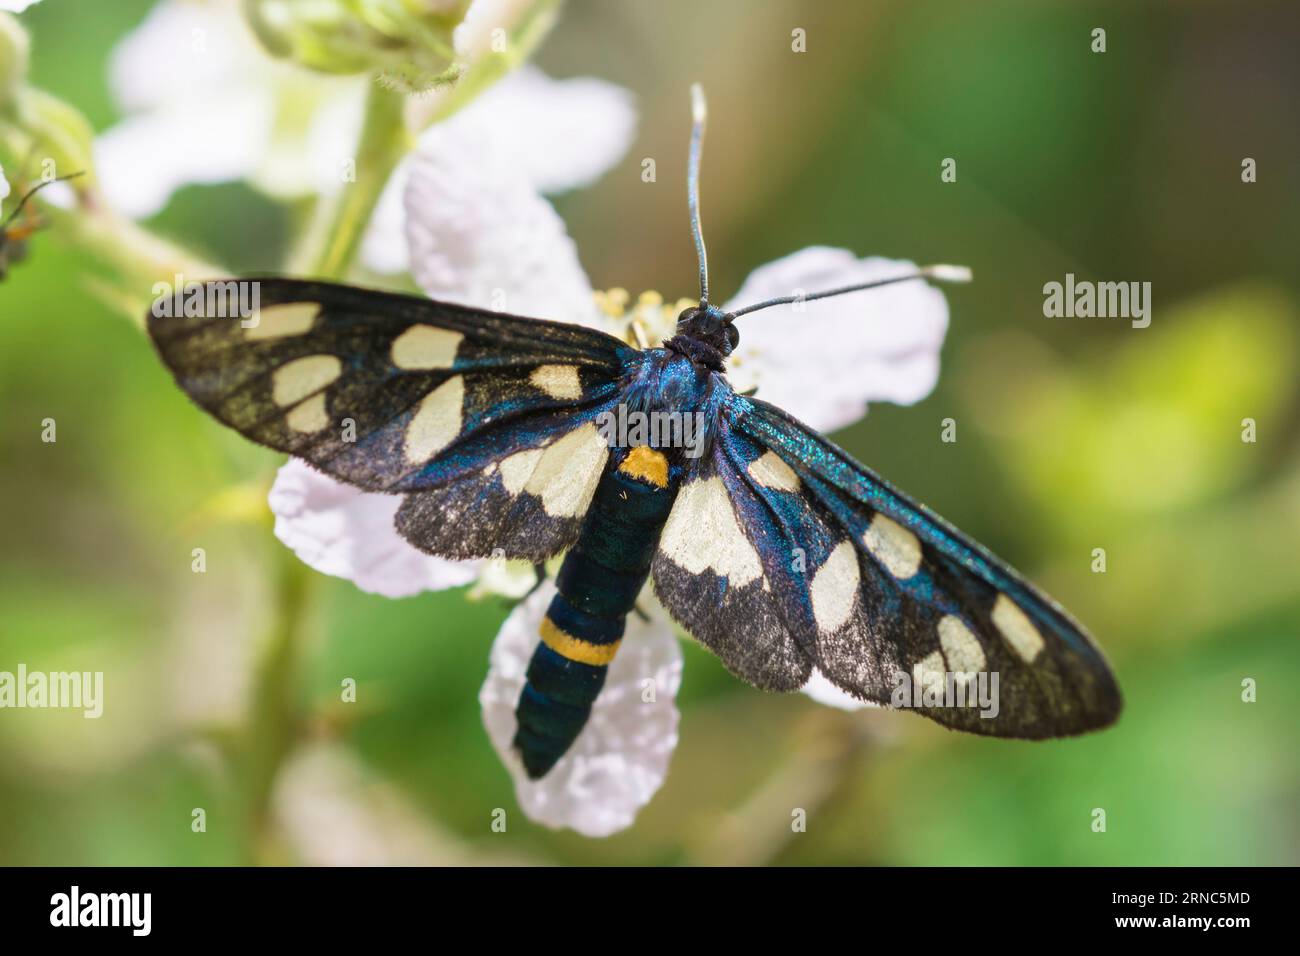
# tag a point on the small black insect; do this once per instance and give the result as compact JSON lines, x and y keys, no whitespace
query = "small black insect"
{"x":14,"y":235}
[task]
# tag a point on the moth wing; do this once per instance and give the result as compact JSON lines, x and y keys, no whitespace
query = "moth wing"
{"x":905,"y":594}
{"x":486,"y":422}
{"x":720,"y":570}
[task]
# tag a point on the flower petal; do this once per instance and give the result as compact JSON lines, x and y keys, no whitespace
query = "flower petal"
{"x":144,"y":159}
{"x":620,"y":759}
{"x":180,"y":75}
{"x":332,"y":809}
{"x":191,"y":69}
{"x":348,"y":533}
{"x":824,"y":361}
{"x":560,"y":134}
{"x":820,"y":689}
{"x":181,"y":52}
{"x":480,"y":235}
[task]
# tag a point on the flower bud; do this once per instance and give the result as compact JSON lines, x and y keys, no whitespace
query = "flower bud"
{"x":14,"y":49}
{"x":406,"y":43}
{"x":63,"y":139}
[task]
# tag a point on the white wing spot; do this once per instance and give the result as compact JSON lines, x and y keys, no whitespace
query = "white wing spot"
{"x":834,"y":588}
{"x":294,"y":381}
{"x":518,"y":468}
{"x":893,"y":546}
{"x":928,"y":673}
{"x":960,"y":646}
{"x":1018,"y":630}
{"x":771,"y":472}
{"x":281,"y":321}
{"x":423,"y":347}
{"x":309,"y":416}
{"x":436,"y":422}
{"x":702,"y":533}
{"x":557,"y":381}
{"x":566,"y":475}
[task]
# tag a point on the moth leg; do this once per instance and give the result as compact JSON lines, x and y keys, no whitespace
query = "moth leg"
{"x":750,"y":392}
{"x":636,"y":609}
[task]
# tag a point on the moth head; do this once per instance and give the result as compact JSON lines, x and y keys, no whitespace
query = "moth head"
{"x":709,"y":324}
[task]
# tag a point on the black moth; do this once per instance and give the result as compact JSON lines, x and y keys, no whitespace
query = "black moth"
{"x":773,"y":548}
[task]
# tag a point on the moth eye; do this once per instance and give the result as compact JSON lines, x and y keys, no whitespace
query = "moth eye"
{"x":686,"y":315}
{"x":733,"y":336}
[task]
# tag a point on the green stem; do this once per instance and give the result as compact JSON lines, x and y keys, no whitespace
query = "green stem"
{"x":333,"y":240}
{"x":136,"y":258}
{"x":276,"y":719}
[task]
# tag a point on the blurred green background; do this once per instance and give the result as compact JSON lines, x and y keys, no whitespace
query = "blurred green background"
{"x":1073,"y":434}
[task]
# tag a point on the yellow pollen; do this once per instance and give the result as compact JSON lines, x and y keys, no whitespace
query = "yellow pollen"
{"x":649,"y":321}
{"x":613,"y":302}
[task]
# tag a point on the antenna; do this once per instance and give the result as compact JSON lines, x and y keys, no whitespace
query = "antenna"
{"x":29,"y":194}
{"x":699,"y":113}
{"x":939,"y":273}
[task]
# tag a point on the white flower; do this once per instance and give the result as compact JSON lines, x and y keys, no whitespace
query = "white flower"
{"x":479,"y":233}
{"x":331,"y":528}
{"x":556,"y":134}
{"x":333,"y":810}
{"x":16,"y":6}
{"x":620,"y":759}
{"x":4,"y":190}
{"x":205,"y":104}
{"x":823,"y":361}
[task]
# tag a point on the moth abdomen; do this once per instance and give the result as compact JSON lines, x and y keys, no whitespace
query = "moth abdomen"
{"x":565,"y":676}
{"x":597,"y":585}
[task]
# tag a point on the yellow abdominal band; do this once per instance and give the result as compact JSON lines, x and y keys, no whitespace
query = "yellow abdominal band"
{"x":575,"y":648}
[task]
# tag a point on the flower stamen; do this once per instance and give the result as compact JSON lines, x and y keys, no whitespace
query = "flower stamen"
{"x":650,"y":320}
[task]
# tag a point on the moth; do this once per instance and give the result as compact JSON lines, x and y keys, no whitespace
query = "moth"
{"x":13,"y":237}
{"x":771,"y":546}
